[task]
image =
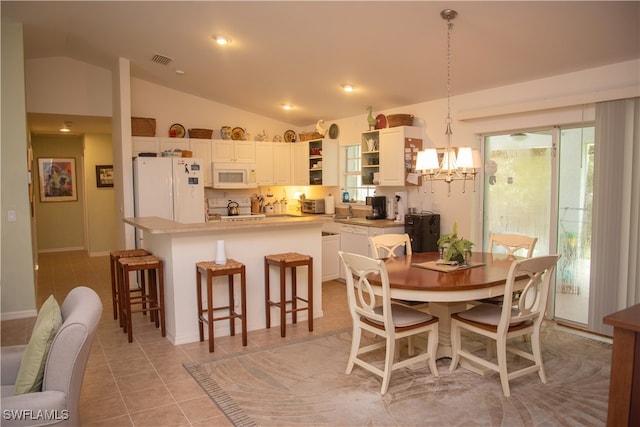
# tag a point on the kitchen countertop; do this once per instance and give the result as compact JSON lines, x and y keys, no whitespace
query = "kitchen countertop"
{"x":156,"y":225}
{"x":377,"y":223}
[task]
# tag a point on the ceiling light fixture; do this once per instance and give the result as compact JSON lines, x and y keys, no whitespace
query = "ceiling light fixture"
{"x":348,"y":88}
{"x":287,"y":106}
{"x":468,"y":161}
{"x":222,"y":40}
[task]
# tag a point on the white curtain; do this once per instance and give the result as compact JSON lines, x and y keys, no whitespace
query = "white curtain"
{"x":615,"y":253}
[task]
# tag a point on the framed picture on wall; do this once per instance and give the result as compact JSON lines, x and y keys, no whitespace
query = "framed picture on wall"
{"x":57,"y":179}
{"x":104,"y":175}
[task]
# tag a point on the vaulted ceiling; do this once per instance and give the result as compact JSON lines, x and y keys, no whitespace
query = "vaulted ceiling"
{"x":300,"y":52}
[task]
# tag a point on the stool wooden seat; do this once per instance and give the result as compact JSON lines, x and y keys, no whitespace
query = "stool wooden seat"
{"x":283,"y":261}
{"x":211,"y":270}
{"x":114,"y":257}
{"x":152,"y":299}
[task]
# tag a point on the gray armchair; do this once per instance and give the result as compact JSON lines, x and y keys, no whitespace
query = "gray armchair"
{"x":64,"y":369}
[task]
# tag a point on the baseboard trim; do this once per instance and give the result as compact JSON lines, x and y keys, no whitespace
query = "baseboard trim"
{"x":74,"y":248}
{"x":18,"y":315}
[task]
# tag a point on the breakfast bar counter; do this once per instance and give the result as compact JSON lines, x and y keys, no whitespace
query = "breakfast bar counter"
{"x":181,"y":246}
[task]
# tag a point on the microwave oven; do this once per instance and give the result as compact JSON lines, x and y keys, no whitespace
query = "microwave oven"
{"x":313,"y":206}
{"x":234,"y":175}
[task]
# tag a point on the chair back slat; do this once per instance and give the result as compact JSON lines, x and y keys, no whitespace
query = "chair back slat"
{"x":360,"y":296}
{"x":386,"y":245}
{"x":512,"y":243}
{"x":532,"y":302}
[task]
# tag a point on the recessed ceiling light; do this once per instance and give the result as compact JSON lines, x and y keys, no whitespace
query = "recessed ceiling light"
{"x":348,"y":88}
{"x":66,"y":127}
{"x":287,"y":106}
{"x":222,"y":40}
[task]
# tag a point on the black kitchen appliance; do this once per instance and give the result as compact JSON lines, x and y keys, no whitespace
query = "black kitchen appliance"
{"x":423,"y":230}
{"x":378,"y":207}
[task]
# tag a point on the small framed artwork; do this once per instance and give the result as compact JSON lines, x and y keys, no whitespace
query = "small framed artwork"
{"x":57,"y":179}
{"x":104,"y":175}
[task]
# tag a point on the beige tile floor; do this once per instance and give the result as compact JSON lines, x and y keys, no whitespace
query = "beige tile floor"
{"x":144,"y":383}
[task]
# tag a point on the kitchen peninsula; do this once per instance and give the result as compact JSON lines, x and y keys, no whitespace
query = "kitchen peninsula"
{"x":181,"y":246}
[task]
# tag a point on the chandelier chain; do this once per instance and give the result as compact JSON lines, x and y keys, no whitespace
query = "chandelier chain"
{"x":449,"y":28}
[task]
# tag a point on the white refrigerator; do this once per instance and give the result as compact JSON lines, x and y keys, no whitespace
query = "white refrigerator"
{"x":170,"y":188}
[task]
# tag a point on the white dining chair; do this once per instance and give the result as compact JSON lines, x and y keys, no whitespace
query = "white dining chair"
{"x":513,"y":244}
{"x":389,"y":246}
{"x":503,"y":322}
{"x":389,"y":321}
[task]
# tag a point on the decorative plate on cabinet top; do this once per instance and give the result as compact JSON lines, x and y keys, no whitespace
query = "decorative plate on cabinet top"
{"x":290,"y":136}
{"x":333,"y":131}
{"x":237,"y":134}
{"x":381,"y":121}
{"x":177,"y":131}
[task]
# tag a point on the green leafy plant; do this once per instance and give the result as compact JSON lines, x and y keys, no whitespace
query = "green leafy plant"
{"x":455,"y":246}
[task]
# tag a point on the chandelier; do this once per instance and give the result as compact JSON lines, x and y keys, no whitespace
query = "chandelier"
{"x":463,"y":166}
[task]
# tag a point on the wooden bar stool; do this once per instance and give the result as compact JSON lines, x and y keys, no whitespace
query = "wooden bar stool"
{"x":115,"y":256}
{"x":211,"y":270}
{"x":151,"y":299}
{"x":283,"y":261}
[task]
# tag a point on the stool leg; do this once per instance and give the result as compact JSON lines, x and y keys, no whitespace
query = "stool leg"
{"x":294,"y":295}
{"x":163,"y":327}
{"x":283,"y":300}
{"x":266,"y":293}
{"x":154,"y":306}
{"x":143,"y":293}
{"x":232,"y":320}
{"x":114,"y":288}
{"x":210,"y":309}
{"x":310,"y":293}
{"x":127,"y":305}
{"x":199,"y":292}
{"x":120,"y":285}
{"x":243,"y":304}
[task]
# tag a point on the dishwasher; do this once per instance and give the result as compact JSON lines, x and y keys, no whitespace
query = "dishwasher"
{"x":353,"y":239}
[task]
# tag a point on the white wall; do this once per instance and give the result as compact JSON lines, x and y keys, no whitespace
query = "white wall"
{"x":64,"y":85}
{"x":169,"y":106}
{"x":17,"y":277}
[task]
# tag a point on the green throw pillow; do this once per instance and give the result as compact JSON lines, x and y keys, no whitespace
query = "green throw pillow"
{"x":31,"y":371}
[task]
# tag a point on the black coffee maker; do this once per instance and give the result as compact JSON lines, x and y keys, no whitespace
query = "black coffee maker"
{"x":378,"y":207}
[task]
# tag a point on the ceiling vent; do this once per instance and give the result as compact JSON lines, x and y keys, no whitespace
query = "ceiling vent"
{"x":160,"y":59}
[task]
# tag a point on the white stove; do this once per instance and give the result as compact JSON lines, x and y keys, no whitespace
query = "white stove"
{"x":251,"y":217}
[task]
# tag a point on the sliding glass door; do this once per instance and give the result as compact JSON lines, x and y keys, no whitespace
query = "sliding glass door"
{"x":539,"y":184}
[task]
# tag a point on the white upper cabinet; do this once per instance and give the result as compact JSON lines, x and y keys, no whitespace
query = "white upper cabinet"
{"x":264,"y":163}
{"x":384,"y":155}
{"x":228,"y":150}
{"x":323,"y":162}
{"x":300,"y":163}
{"x":282,"y":163}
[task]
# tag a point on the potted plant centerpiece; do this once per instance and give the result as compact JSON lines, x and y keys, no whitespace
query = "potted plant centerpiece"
{"x":453,"y":248}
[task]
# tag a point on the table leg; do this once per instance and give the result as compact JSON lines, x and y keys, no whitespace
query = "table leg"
{"x":443,"y":311}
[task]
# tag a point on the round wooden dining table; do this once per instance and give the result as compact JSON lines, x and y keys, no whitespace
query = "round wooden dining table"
{"x":446,"y":292}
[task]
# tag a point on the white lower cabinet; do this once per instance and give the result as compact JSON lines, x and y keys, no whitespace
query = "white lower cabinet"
{"x":330,"y":257}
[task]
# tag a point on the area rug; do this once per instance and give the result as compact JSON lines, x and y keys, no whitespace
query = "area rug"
{"x":304,"y":383}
